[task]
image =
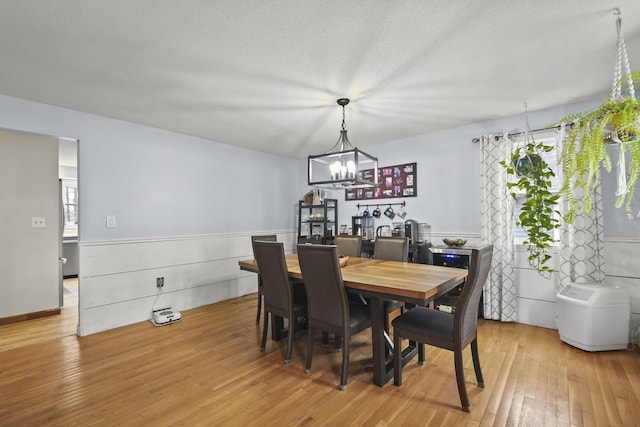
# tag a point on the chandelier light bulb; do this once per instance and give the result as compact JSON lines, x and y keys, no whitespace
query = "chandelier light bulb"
{"x":351,"y":168}
{"x":334,"y":169}
{"x":343,"y":172}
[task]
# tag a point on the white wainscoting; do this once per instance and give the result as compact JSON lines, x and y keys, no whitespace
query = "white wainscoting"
{"x":622,"y":266}
{"x":118,"y":278}
{"x":537,"y":295}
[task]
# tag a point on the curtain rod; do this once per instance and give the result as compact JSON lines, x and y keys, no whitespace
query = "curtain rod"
{"x":496,"y":137}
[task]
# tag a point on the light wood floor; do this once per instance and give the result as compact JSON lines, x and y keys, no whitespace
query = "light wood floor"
{"x":208,"y":370}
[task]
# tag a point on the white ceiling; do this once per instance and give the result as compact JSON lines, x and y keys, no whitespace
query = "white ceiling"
{"x":266,"y":74}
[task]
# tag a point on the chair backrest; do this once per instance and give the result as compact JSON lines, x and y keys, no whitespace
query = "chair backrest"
{"x":274,"y":274}
{"x":391,"y":248}
{"x":466,"y":316}
{"x":349,"y":245}
{"x":263,"y":238}
{"x":327,"y":303}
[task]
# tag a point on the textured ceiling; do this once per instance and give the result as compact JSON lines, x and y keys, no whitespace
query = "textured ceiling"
{"x":266,"y":74}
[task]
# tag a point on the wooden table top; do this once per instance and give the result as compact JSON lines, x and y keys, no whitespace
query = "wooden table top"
{"x":401,"y":280}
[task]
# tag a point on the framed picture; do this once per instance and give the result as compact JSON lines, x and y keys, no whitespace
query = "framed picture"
{"x":394,"y":181}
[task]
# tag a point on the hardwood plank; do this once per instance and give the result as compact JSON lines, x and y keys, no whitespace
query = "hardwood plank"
{"x":208,"y":370}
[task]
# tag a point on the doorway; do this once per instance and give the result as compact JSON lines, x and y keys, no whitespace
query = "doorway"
{"x":69,"y":209}
{"x":32,"y":167}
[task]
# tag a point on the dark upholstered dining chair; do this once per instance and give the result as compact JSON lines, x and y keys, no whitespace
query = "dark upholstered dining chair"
{"x":391,"y":249}
{"x":263,"y":238}
{"x":280,"y":297}
{"x":329,"y":308}
{"x":348,"y":245}
{"x":448,"y":331}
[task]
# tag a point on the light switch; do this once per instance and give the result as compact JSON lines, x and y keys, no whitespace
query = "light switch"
{"x":38,"y":222}
{"x":111,"y":221}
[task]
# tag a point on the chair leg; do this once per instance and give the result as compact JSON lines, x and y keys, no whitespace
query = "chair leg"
{"x":325,"y":339}
{"x":337,"y":343}
{"x":397,"y":359}
{"x":292,"y":330}
{"x":345,"y":362}
{"x":307,"y":368}
{"x":420,"y":353}
{"x":462,"y":389}
{"x":259,"y":310}
{"x":387,"y":322}
{"x":264,"y":330}
{"x":476,"y":362}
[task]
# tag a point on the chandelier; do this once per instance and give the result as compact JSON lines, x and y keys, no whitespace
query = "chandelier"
{"x":343,"y":166}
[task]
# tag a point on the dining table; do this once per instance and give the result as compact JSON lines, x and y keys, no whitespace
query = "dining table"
{"x":380,"y":280}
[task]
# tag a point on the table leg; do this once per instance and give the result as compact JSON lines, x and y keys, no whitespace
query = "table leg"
{"x":381,"y":371}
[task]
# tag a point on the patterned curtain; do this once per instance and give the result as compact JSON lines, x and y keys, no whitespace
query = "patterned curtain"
{"x":581,"y":243}
{"x":496,"y":214}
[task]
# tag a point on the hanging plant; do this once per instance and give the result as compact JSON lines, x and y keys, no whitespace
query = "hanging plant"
{"x":532,"y":179}
{"x":617,"y":120}
{"x":584,"y":152}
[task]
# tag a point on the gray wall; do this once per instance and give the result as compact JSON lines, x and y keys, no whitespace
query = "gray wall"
{"x":448,"y":171}
{"x":618,"y":222}
{"x":158,"y":183}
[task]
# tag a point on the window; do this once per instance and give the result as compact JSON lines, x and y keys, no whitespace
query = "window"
{"x":70,"y":206}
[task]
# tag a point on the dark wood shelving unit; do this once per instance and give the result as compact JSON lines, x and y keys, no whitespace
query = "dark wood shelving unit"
{"x":317,"y":224}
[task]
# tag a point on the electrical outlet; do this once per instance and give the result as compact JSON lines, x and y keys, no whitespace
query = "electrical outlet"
{"x":38,"y":222}
{"x":160,"y":282}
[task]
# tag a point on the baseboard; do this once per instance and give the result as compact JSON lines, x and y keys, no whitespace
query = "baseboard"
{"x":29,"y":316}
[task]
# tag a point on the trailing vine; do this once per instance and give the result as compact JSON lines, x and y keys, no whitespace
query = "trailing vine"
{"x":538,"y":213}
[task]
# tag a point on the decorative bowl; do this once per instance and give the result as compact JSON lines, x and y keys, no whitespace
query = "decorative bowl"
{"x":454,"y":243}
{"x":343,"y":260}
